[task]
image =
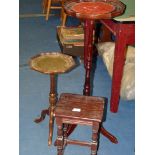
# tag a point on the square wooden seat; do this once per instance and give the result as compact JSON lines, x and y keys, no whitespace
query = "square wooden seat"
{"x":80,"y":110}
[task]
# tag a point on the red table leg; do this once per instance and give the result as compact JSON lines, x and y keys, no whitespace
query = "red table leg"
{"x":119,"y":59}
{"x":125,"y":35}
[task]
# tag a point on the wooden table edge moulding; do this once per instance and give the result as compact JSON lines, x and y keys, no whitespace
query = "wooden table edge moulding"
{"x":51,"y":63}
{"x":89,"y":11}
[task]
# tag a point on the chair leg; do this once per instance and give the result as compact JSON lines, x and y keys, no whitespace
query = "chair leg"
{"x":63,"y":14}
{"x":64,"y":18}
{"x":44,"y":5}
{"x":48,"y":9}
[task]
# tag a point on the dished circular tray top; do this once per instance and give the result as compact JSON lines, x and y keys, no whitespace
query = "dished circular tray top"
{"x":99,"y":9}
{"x":93,"y":8}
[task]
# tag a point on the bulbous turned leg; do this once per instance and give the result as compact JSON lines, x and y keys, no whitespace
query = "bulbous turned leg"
{"x":52,"y":101}
{"x":69,"y":129}
{"x":42,"y":117}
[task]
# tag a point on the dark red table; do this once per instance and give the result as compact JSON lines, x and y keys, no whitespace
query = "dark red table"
{"x":125,"y":35}
{"x":89,"y":12}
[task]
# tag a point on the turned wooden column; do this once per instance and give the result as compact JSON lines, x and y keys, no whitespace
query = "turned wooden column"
{"x":88,"y":50}
{"x":52,"y":101}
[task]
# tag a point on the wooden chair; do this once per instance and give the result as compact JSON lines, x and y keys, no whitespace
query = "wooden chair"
{"x":48,"y":6}
{"x":79,"y":110}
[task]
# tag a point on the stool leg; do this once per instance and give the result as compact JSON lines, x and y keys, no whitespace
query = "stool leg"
{"x":59,"y":136}
{"x":48,"y":9}
{"x":65,"y":134}
{"x":70,"y":129}
{"x":94,"y":138}
{"x":52,"y":101}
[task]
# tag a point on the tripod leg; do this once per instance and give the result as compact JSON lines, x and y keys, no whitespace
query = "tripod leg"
{"x":42,"y":117}
{"x":70,"y":129}
{"x":105,"y":133}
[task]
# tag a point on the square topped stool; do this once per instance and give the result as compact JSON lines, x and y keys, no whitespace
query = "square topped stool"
{"x":79,"y":110}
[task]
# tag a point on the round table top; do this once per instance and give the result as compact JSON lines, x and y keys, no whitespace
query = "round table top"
{"x":98,"y":9}
{"x":52,"y":63}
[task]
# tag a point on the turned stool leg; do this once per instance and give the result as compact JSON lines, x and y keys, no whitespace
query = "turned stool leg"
{"x":59,"y":137}
{"x":65,"y":133}
{"x":94,"y":138}
{"x":52,"y":101}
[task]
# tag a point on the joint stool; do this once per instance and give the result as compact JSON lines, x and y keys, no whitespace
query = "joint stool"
{"x":51,"y":63}
{"x":79,"y":110}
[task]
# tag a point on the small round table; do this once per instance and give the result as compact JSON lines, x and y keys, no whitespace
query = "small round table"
{"x":90,"y":11}
{"x":52,"y":64}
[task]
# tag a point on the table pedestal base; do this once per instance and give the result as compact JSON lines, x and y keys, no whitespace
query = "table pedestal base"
{"x":88,"y":56}
{"x":50,"y":110}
